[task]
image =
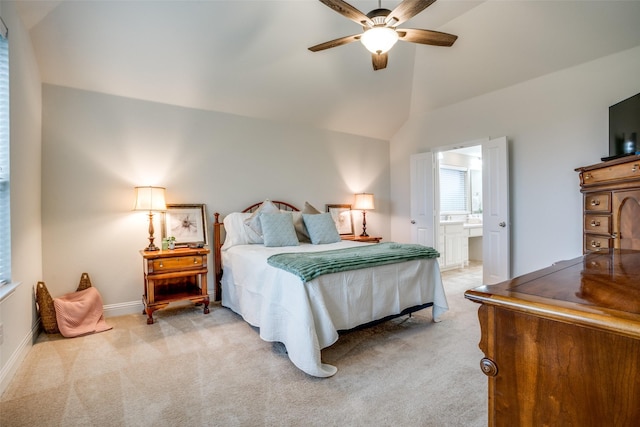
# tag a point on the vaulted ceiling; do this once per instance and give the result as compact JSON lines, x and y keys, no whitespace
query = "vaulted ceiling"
{"x":250,"y":57}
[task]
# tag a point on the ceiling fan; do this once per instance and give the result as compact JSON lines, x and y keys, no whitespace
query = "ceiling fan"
{"x":380,"y":32}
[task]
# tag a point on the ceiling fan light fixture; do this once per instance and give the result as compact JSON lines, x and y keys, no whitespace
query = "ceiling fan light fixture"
{"x":379,"y":39}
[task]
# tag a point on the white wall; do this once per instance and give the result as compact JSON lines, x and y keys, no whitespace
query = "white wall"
{"x":554,"y":124}
{"x":17,"y":311}
{"x":97,"y":147}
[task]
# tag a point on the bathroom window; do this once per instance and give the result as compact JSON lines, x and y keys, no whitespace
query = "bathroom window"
{"x":454,"y":189}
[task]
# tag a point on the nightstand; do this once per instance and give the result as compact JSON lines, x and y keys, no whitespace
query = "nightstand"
{"x":174,"y":275}
{"x":368,"y":239}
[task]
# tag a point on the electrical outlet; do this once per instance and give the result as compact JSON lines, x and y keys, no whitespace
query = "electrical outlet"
{"x":1,"y":333}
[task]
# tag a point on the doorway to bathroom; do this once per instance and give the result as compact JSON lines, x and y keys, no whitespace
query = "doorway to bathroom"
{"x":462,"y":215}
{"x":459,"y":218}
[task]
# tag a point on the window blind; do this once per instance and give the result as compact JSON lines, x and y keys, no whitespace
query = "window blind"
{"x":453,"y":189}
{"x":5,"y":211}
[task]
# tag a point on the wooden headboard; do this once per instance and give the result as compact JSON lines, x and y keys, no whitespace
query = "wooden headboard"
{"x":217,"y":240}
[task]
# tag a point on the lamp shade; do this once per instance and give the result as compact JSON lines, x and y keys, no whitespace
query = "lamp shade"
{"x":150,"y":199}
{"x":364,"y":201}
{"x":379,"y":39}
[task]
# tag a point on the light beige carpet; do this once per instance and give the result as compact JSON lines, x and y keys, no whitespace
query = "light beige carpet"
{"x":190,"y":369}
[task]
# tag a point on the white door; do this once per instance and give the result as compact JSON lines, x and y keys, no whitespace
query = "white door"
{"x":496,"y":245}
{"x":422,"y":199}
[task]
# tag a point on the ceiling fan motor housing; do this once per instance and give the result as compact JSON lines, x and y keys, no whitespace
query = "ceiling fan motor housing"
{"x":378,"y":16}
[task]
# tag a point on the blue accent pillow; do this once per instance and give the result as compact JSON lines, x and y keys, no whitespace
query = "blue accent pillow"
{"x":321,"y":228}
{"x":278,"y":229}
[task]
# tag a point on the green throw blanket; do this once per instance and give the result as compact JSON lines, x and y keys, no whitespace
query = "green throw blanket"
{"x":309,"y":265}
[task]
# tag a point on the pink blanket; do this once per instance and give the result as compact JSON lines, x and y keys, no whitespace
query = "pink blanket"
{"x":80,"y":313}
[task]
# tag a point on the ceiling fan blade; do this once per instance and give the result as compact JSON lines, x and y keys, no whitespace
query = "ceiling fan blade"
{"x":405,"y":11}
{"x":348,"y":11}
{"x":379,"y":61}
{"x":335,"y":43}
{"x":434,"y":38}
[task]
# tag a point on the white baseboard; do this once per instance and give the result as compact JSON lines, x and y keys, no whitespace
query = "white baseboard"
{"x":11,"y":367}
{"x":131,"y":307}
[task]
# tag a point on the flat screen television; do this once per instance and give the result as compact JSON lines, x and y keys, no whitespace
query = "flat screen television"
{"x":624,"y":127}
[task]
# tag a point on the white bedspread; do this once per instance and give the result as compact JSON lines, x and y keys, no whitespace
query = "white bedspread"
{"x":306,"y":317}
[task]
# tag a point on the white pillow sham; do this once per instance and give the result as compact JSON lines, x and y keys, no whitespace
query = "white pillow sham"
{"x":235,"y":230}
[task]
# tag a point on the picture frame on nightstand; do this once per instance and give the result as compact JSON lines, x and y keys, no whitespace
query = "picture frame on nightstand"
{"x":342,"y":217}
{"x":187,"y":223}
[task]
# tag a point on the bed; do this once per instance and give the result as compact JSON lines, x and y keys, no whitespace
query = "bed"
{"x":307,"y":315}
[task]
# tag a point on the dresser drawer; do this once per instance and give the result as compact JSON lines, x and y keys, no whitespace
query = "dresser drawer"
{"x":622,"y":171}
{"x":164,"y":265}
{"x":593,"y":242}
{"x":597,"y":224}
{"x":600,"y":265}
{"x":597,"y":202}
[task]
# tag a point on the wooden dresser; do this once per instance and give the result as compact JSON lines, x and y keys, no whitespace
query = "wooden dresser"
{"x":562,"y":344}
{"x":611,"y":209}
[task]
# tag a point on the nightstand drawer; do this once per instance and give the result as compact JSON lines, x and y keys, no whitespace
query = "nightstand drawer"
{"x":163,"y":265}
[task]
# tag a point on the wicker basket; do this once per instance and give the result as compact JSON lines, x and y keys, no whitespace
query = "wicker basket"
{"x":47,"y":309}
{"x":85,"y":282}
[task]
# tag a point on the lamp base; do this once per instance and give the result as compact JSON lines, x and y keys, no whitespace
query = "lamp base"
{"x":364,"y":224}
{"x":151,"y":246}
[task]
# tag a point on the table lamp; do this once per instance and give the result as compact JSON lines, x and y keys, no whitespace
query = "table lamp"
{"x":363,"y":202}
{"x":150,"y":199}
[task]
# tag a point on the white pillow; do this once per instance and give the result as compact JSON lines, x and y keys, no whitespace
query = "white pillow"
{"x":321,"y":228}
{"x":253,"y":226}
{"x":235,"y":229}
{"x":278,"y":230}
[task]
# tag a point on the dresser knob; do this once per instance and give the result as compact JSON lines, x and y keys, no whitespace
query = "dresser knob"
{"x":161,"y":265}
{"x":634,"y":168}
{"x":595,"y":244}
{"x":488,"y":366}
{"x":595,"y":202}
{"x":595,"y":223}
{"x":195,"y":260}
{"x":587,"y":176}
